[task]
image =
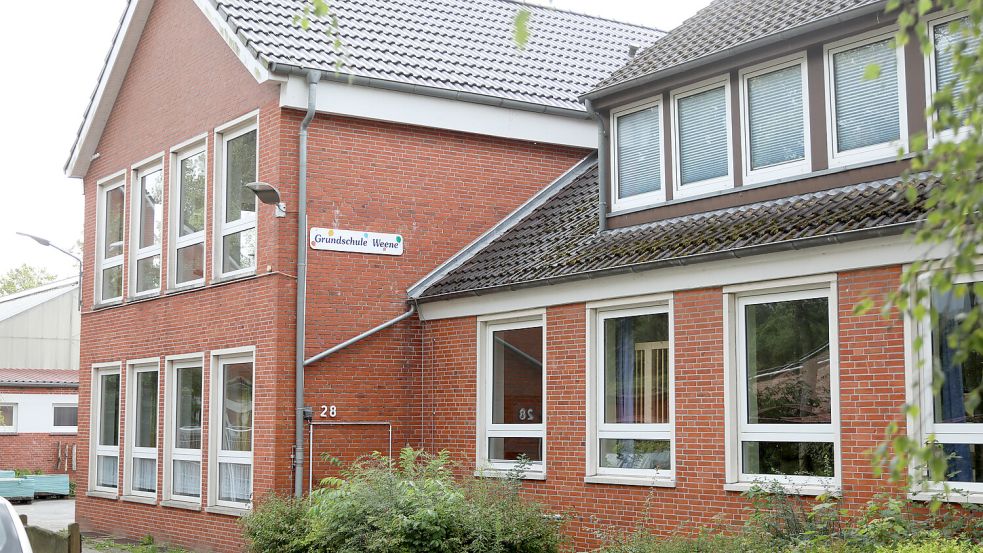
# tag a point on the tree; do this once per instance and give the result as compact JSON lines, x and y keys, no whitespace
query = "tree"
{"x":22,"y":278}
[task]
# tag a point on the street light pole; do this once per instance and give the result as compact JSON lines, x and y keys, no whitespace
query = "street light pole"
{"x":45,"y":242}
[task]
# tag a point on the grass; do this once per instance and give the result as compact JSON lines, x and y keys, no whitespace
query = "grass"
{"x":147,"y":545}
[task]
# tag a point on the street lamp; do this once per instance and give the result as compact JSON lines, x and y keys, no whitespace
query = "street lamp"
{"x":268,"y":194}
{"x":45,"y":242}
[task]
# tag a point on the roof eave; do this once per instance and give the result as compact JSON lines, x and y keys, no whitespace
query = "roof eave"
{"x":39,"y":384}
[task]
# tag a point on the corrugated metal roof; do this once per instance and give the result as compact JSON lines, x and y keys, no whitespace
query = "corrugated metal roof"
{"x":39,"y":376}
{"x":725,"y":24}
{"x":15,"y":304}
{"x":559,"y":240}
{"x":458,"y":45}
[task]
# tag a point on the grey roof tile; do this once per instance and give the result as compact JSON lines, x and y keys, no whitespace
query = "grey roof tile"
{"x":560,"y":239}
{"x":459,"y":45}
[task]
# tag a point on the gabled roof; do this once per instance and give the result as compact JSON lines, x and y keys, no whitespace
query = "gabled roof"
{"x":35,"y":377}
{"x":728,"y":24}
{"x":459,"y":45}
{"x":15,"y":304}
{"x":559,"y":240}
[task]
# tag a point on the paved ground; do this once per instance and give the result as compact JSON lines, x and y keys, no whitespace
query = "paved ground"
{"x":53,"y":514}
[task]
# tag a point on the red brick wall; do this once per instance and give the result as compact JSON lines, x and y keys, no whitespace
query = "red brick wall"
{"x":872,"y":390}
{"x":37,"y":451}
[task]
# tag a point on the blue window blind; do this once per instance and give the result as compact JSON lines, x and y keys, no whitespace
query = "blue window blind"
{"x":639,"y":152}
{"x":867,"y":111}
{"x":776,"y":122}
{"x":702,"y":120}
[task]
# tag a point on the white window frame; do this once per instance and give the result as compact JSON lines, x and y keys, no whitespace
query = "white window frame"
{"x":877,"y":152}
{"x":190,"y":148}
{"x":9,"y":427}
{"x":138,"y":171}
{"x":647,"y":198}
{"x":116,"y":180}
{"x":487,"y":325}
{"x":151,"y":365}
{"x":789,"y":168}
{"x":597,"y":429}
{"x":224,"y":134}
{"x":933,"y":21}
{"x":737,"y":428}
{"x":98,"y":371}
{"x":64,"y":429}
{"x":172,"y":453}
{"x":706,"y":186}
{"x":219,"y":359}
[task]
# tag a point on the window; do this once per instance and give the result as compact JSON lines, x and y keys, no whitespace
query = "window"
{"x":776,"y":138}
{"x":232,"y":468}
{"x":141,"y":417}
{"x":8,"y":418}
{"x":701,"y":121}
{"x":633,"y":379}
{"x":148,"y":220}
{"x":866,"y":115}
{"x":188,"y":216}
{"x":105,"y":423}
{"x":787,"y":388}
{"x":109,"y":241}
{"x":945,"y":35}
{"x":65,"y":418}
{"x":638,"y":155}
{"x":512,"y":389}
{"x":237,"y":205}
{"x":183,"y":431}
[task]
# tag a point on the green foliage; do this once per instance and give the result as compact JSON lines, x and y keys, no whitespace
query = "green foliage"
{"x":407,"y":505}
{"x":20,"y":473}
{"x":520,"y":27}
{"x":23,"y":278}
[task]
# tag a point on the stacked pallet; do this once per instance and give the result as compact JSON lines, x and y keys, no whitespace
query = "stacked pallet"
{"x":47,"y":485}
{"x":17,"y":489}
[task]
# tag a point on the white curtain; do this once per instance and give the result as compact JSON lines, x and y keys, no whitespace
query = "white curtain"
{"x":106,"y":471}
{"x":144,"y":474}
{"x":235,"y":482}
{"x":187,"y":478}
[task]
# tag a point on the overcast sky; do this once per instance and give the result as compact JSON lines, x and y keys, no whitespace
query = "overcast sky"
{"x":51,"y":74}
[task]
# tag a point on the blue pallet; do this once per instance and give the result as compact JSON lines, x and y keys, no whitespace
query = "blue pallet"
{"x":7,"y":474}
{"x":16,"y":489}
{"x":49,"y":484}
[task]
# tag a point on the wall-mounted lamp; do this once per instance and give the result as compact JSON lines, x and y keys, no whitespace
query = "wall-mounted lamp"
{"x":269,"y":196}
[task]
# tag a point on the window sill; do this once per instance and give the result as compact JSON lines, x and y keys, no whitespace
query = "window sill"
{"x":975,"y":498}
{"x":64,"y":433}
{"x":790,"y":489}
{"x":102,"y":495}
{"x":232,"y":278}
{"x":494,"y":473}
{"x":229,"y":511}
{"x":631,"y":481}
{"x":106,"y":304}
{"x":184,"y":287}
{"x":143,"y":297}
{"x":186,"y":505}
{"x":8,"y":432}
{"x":140,"y":499}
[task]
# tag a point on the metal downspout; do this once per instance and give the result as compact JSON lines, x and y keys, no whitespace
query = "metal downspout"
{"x":603,"y":167}
{"x":313,"y":77}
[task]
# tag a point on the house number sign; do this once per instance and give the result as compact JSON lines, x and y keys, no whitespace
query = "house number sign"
{"x":329,"y":411}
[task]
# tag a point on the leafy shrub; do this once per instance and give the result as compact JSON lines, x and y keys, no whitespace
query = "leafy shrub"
{"x":277,"y":524}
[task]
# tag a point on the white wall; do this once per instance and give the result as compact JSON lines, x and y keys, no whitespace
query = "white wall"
{"x":34,"y":411}
{"x":43,"y":337}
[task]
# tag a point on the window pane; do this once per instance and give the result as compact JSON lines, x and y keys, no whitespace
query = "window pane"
{"x":240,"y":169}
{"x":510,"y":449}
{"x":64,"y":415}
{"x":776,"y":119}
{"x":965,"y":462}
{"x":6,"y":415}
{"x":151,"y":209}
{"x":636,"y":369}
{"x":109,"y":410}
{"x":148,"y":274}
{"x":106,"y":470}
{"x":788,"y":373}
{"x":237,"y":407}
{"x":635,"y":454}
{"x":703,"y":144}
{"x":239,"y":251}
{"x":192,"y":214}
{"x":788,"y":458}
{"x":113,"y":231}
{"x":190,"y":263}
{"x":517,"y":387}
{"x":112,"y":282}
{"x":639,"y":152}
{"x":866,"y":109}
{"x":186,"y":479}
{"x":144,"y":475}
{"x":146,"y":409}
{"x":961,"y":378}
{"x":188,"y":407}
{"x":235,"y":482}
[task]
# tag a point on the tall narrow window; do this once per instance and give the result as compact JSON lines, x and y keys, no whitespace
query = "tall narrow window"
{"x":702,"y":145}
{"x":142,"y":429}
{"x":866,"y":106}
{"x":947,"y":37}
{"x":787,"y":380}
{"x":106,"y":428}
{"x":184,"y":441}
{"x":513,"y":380}
{"x":238,"y":217}
{"x":638,"y":156}
{"x":634,"y":383}
{"x":109,"y":280}
{"x":148,"y":223}
{"x":775,"y":142}
{"x":188,"y":251}
{"x":234,"y":406}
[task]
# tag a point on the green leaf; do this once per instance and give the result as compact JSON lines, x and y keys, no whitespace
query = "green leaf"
{"x":872,"y":72}
{"x":520,"y":27}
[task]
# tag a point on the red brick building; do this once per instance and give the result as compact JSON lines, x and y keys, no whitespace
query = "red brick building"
{"x":426,"y":135}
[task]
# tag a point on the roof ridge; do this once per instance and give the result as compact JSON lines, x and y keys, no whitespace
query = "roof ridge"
{"x":53,"y":285}
{"x":581,"y":14}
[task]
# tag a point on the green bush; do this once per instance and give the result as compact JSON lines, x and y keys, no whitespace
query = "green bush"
{"x":278,"y":524}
